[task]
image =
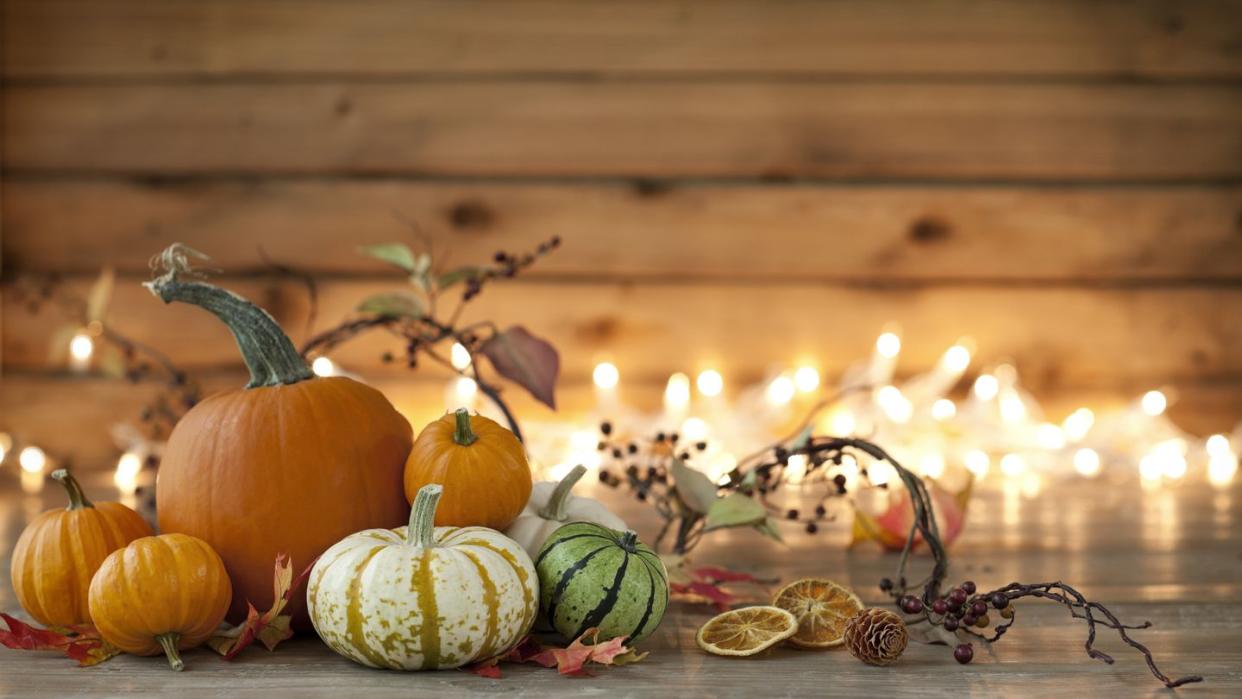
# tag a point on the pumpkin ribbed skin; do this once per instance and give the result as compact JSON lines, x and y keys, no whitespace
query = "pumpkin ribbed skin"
{"x":59,"y":552}
{"x":382,"y":602}
{"x":593,"y":576}
{"x":486,"y":482}
{"x":290,"y":468}
{"x":160,"y":585}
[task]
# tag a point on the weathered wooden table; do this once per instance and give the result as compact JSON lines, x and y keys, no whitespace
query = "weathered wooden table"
{"x":1174,"y":557}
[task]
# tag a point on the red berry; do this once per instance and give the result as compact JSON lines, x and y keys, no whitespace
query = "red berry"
{"x":999,"y":600}
{"x":969,"y":620}
{"x":912,"y":605}
{"x":950,"y":624}
{"x":940,"y":606}
{"x":964,"y":653}
{"x":957,"y":596}
{"x":979,"y":608}
{"x":969,"y":587}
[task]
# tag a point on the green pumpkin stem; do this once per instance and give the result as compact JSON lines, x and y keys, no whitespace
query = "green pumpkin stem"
{"x":463,"y":435}
{"x":629,"y":541}
{"x":267,"y":351}
{"x":168,"y":641}
{"x":77,"y":498}
{"x":555,"y":509}
{"x":422,"y":529}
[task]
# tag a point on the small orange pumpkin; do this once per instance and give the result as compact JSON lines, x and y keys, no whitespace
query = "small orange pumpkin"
{"x":481,"y":465}
{"x":161,"y":593}
{"x":60,"y":550}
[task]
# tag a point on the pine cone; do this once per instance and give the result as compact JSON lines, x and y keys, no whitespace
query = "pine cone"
{"x":876,"y":636}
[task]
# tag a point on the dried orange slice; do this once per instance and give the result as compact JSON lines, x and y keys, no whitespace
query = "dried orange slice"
{"x":746,"y":631}
{"x":822,"y":608}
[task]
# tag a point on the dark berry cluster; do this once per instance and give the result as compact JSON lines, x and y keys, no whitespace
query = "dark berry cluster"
{"x":507,"y":265}
{"x":642,"y":464}
{"x":961,"y":609}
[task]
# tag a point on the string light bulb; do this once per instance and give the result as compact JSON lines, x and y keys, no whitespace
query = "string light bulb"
{"x":806,"y":378}
{"x":459,"y":356}
{"x":888,"y":344}
{"x":895,"y":405}
{"x":127,"y":469}
{"x":32,"y":459}
{"x":986,"y":387}
{"x":1154,"y":403}
{"x":710,"y":382}
{"x":322,"y":366}
{"x":1077,"y":424}
{"x":1087,"y":462}
{"x":606,"y":375}
{"x":977,"y":462}
{"x":780,"y":391}
{"x":677,"y":392}
{"x":1012,"y":465}
{"x":956,"y":358}
{"x":943,"y":409}
{"x":6,"y":445}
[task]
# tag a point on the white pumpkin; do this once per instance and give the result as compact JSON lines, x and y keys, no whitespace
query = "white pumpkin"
{"x":551,"y":506}
{"x":423,"y":597}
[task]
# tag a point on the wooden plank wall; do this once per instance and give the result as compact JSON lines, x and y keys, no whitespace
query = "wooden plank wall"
{"x":741,"y":183}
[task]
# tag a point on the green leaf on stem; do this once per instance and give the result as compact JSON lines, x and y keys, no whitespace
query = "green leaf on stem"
{"x":735,"y":510}
{"x":768,"y":528}
{"x":694,"y":489}
{"x":395,"y":304}
{"x":526,"y":360}
{"x":456,"y":276}
{"x":396,"y":254}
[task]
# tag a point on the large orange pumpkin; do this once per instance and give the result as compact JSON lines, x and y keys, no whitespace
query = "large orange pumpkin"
{"x":291,"y":464}
{"x":60,"y":550}
{"x":160,"y":594}
{"x":481,"y":465}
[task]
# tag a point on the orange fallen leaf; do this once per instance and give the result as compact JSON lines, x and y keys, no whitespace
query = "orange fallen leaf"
{"x":270,"y":627}
{"x":891,"y":527}
{"x":571,"y":660}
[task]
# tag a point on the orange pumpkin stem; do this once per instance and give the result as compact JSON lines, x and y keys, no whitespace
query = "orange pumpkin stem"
{"x":463,"y":435}
{"x":168,"y":642}
{"x":267,"y":351}
{"x":77,"y":498}
{"x":422,"y":529}
{"x":555,"y":509}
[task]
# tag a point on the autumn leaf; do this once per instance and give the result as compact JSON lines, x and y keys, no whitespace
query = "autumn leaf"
{"x":270,"y":627}
{"x":694,"y":489}
{"x":396,"y":254}
{"x":571,"y":660}
{"x":734,"y":510}
{"x":526,"y":360}
{"x":81,"y":643}
{"x":891,"y":527}
{"x":395,"y":304}
{"x":704,"y":585}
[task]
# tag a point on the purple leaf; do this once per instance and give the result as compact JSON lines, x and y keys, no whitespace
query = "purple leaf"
{"x":526,"y":360}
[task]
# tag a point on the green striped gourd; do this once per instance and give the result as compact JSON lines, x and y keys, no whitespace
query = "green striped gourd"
{"x":593,"y":576}
{"x":423,"y":597}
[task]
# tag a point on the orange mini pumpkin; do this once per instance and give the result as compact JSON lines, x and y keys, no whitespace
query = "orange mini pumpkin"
{"x":481,"y":465}
{"x":59,"y":552}
{"x":160,"y":594}
{"x":291,"y":464}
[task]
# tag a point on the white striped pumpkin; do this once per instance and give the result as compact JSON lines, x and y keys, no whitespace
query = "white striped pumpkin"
{"x":423,"y":597}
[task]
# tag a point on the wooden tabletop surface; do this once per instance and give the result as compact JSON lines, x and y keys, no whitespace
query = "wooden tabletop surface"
{"x":1173,"y":556}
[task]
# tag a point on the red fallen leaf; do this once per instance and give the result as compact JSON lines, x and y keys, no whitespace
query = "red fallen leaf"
{"x":571,"y":660}
{"x":717,"y":574}
{"x":891,"y":527}
{"x":703,"y":592}
{"x":81,"y":643}
{"x":270,"y":627}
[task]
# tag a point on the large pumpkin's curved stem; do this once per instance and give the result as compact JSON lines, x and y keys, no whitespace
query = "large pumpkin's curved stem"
{"x":555,"y":509}
{"x":77,"y":498}
{"x":422,"y":529}
{"x":267,"y":351}
{"x":168,"y":641}
{"x":463,"y":435}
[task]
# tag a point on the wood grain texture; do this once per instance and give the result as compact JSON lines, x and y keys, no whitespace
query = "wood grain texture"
{"x":145,"y":38}
{"x":1169,"y":557}
{"x":1068,"y":336}
{"x":73,"y":417}
{"x":633,"y":128}
{"x":642,"y":229}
